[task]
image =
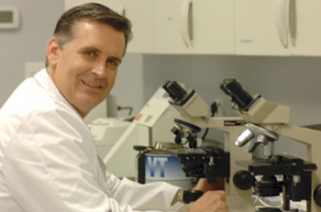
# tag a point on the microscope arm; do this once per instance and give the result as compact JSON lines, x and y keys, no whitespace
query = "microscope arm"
{"x":215,"y":122}
{"x":304,"y":135}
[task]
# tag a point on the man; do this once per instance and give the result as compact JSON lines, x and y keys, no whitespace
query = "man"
{"x":48,"y":159}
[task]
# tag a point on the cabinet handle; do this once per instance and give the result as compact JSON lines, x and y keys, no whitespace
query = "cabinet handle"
{"x":292,"y":21}
{"x":186,"y":23}
{"x":282,"y":20}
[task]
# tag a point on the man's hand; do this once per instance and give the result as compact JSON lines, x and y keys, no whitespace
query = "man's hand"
{"x":211,"y":201}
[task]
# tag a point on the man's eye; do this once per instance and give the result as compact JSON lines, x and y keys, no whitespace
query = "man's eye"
{"x":90,"y":54}
{"x":112,"y":62}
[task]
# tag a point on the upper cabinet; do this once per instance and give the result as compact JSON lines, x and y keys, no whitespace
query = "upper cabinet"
{"x":110,"y":3}
{"x":140,"y":13}
{"x":256,"y":28}
{"x":241,"y":27}
{"x":277,"y":27}
{"x":192,"y":26}
{"x":306,"y":27}
{"x":116,"y":5}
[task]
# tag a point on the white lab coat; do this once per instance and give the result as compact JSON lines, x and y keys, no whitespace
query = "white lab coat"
{"x":49,"y":162}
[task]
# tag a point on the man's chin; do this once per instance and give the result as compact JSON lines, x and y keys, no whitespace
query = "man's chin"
{"x":85,"y":106}
{"x":90,"y":104}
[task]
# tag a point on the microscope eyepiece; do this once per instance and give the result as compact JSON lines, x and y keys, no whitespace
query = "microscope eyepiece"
{"x":239,"y":96}
{"x":175,"y":91}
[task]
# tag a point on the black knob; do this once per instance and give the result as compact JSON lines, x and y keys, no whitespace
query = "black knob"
{"x":178,"y":139}
{"x":317,"y":195}
{"x":192,"y":142}
{"x":243,"y":180}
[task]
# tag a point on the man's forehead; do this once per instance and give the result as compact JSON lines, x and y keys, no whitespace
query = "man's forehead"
{"x":86,"y":36}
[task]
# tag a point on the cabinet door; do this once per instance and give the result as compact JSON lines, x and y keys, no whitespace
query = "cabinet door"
{"x":194,"y":27}
{"x":72,"y":3}
{"x":140,"y":13}
{"x":116,"y":5}
{"x":256,"y":32}
{"x":307,"y":27}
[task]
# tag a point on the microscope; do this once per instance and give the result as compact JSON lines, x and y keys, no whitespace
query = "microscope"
{"x":214,"y":163}
{"x":265,"y":122}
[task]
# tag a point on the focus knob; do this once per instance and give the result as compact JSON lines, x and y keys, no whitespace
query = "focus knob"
{"x":243,"y":180}
{"x":317,"y":195}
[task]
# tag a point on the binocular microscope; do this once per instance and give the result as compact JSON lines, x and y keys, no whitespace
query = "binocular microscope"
{"x":259,"y":123}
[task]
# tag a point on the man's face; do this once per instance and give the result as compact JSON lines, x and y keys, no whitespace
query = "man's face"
{"x":85,"y":70}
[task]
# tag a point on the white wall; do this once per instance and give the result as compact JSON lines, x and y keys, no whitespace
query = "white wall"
{"x":28,"y":42}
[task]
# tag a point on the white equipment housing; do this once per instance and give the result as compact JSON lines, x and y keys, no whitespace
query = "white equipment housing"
{"x":152,"y":124}
{"x":106,"y":132}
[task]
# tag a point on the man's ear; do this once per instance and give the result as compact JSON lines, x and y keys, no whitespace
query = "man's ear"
{"x":53,"y":50}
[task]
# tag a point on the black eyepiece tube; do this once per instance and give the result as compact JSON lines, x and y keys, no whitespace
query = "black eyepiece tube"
{"x":239,"y":96}
{"x":224,"y":89}
{"x":174,"y":90}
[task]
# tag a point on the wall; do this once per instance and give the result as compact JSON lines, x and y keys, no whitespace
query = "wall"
{"x":129,"y":86}
{"x":28,"y":42}
{"x":292,"y":81}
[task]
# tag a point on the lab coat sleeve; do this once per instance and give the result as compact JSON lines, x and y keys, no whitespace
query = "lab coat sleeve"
{"x":48,"y":167}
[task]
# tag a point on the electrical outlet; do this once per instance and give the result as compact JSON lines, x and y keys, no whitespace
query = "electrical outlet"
{"x":220,"y":108}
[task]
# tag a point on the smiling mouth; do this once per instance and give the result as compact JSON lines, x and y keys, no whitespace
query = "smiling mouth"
{"x":92,"y":85}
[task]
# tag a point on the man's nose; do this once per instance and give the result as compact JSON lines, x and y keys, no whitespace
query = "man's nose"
{"x":99,"y":70}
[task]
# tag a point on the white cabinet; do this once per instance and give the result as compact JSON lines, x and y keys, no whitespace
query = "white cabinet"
{"x":110,"y":3}
{"x":116,"y":5}
{"x":256,"y":28}
{"x":278,"y":27}
{"x":241,"y":27}
{"x":140,"y":13}
{"x":307,"y":27}
{"x":71,"y":3}
{"x":193,"y":26}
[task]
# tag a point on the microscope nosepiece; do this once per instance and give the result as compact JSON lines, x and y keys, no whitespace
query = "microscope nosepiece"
{"x":245,"y":137}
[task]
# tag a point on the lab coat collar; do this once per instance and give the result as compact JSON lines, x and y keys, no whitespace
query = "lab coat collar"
{"x":45,"y":81}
